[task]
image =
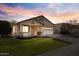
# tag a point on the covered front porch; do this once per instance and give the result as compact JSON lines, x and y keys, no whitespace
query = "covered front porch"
{"x":34,"y":30}
{"x":30,"y":30}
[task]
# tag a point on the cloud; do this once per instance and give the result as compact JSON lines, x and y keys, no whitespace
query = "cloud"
{"x":23,"y":11}
{"x":19,"y":10}
{"x":50,"y":10}
{"x":63,"y":8}
{"x":55,"y":12}
{"x":19,"y":13}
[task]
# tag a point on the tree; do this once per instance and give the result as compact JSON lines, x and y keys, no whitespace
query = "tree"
{"x":73,"y":22}
{"x":5,"y":28}
{"x":13,"y":22}
{"x":65,"y":28}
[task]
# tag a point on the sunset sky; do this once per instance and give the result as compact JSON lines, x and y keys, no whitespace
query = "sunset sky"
{"x":55,"y":12}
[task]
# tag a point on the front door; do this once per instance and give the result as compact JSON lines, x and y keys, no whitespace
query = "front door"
{"x":33,"y":30}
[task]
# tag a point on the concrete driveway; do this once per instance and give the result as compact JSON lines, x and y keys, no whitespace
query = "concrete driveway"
{"x":70,"y":50}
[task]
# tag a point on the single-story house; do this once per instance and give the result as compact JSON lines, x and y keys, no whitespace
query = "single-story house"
{"x":33,"y":27}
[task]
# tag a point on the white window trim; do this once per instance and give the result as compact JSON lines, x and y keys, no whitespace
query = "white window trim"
{"x":25,"y":28}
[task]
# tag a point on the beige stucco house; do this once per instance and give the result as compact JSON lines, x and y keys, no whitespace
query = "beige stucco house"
{"x":33,"y":27}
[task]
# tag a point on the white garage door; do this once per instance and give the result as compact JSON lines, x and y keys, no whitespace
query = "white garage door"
{"x":47,"y":31}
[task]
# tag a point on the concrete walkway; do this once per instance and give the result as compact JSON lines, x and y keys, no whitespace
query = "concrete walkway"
{"x":70,"y":50}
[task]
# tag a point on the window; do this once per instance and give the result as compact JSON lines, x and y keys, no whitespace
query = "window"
{"x":25,"y":28}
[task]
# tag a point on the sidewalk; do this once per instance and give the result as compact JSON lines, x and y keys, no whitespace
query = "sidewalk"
{"x":70,"y":50}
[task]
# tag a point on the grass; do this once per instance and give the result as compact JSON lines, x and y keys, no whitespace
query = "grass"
{"x":33,"y":46}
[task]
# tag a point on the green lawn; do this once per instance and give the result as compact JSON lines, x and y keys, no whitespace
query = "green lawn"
{"x":32,"y":46}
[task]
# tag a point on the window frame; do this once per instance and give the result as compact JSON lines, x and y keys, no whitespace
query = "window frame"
{"x":27,"y":29}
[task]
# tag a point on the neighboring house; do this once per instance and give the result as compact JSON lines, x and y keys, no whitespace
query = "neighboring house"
{"x":58,"y":28}
{"x":33,"y":27}
{"x":72,"y":29}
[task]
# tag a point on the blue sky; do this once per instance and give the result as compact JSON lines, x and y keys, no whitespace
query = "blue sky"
{"x":27,"y":5}
{"x":54,"y":6}
{"x":21,"y":11}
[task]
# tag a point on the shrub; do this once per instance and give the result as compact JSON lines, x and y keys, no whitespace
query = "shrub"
{"x":65,"y":28}
{"x":38,"y":33}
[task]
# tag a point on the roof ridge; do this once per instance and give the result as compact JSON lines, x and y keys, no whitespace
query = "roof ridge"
{"x":31,"y":18}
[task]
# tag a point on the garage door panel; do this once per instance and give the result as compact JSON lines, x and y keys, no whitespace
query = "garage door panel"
{"x":47,"y":31}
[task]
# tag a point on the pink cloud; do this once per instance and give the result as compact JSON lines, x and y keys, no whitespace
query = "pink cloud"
{"x":20,"y":11}
{"x":13,"y":11}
